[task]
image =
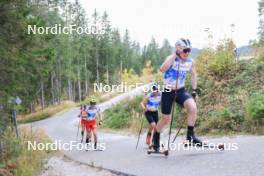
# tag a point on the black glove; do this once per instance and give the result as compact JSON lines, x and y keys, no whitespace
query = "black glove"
{"x":194,"y":93}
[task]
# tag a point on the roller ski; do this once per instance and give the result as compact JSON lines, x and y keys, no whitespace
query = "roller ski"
{"x":192,"y":140}
{"x":165,"y":152}
{"x":200,"y":144}
{"x":94,"y":148}
{"x":153,"y":150}
{"x":215,"y":146}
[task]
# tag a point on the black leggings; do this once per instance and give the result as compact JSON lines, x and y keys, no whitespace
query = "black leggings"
{"x":152,"y":116}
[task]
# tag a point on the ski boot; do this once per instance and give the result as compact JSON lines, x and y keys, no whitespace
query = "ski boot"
{"x":156,"y":142}
{"x":95,"y":145}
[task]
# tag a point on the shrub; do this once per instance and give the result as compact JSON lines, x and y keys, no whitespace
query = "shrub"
{"x":16,"y":158}
{"x":123,"y":114}
{"x":255,"y":106}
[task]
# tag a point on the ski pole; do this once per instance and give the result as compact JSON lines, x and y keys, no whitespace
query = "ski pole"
{"x":141,"y":126}
{"x":79,"y":121}
{"x":173,"y":107}
{"x":173,"y":104}
{"x":178,"y":130}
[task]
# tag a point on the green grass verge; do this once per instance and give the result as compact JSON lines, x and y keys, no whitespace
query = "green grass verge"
{"x":17,"y":159}
{"x":47,"y":112}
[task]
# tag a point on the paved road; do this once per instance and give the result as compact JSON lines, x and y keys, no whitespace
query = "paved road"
{"x":246,"y":57}
{"x":120,"y":154}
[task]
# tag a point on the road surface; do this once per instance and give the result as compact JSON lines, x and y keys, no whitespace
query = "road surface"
{"x":120,"y":154}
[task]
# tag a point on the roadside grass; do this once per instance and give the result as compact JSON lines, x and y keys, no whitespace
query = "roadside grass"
{"x":16,"y":158}
{"x":47,"y":112}
{"x":60,"y":109}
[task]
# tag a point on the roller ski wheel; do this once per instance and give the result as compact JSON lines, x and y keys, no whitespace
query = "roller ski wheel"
{"x":93,"y":150}
{"x":150,"y":147}
{"x":221,"y":146}
{"x":165,"y":152}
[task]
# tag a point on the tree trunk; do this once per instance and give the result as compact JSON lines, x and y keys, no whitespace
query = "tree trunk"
{"x":42,"y":95}
{"x":60,"y":87}
{"x":58,"y":90}
{"x":52,"y":88}
{"x":121,"y":70}
{"x":97,"y":65}
{"x":69,"y":89}
{"x":79,"y":90}
{"x":107,"y":75}
{"x":73,"y":91}
{"x":86,"y":76}
{"x":58,"y":81}
{"x":31,"y":108}
{"x":79,"y":82}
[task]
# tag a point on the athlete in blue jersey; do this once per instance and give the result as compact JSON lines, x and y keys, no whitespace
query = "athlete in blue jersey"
{"x":175,"y":69}
{"x":150,"y":105}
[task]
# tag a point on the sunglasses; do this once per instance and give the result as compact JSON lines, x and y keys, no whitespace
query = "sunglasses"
{"x":186,"y":50}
